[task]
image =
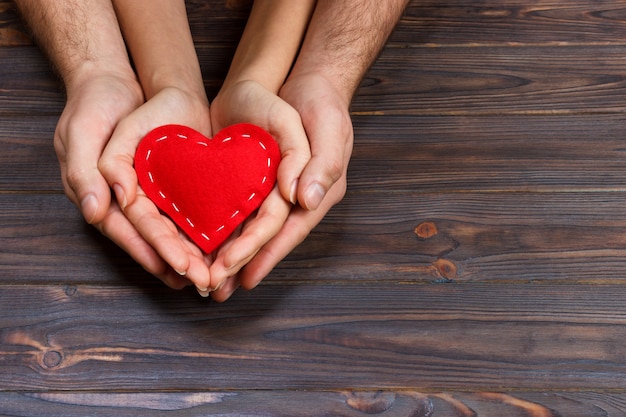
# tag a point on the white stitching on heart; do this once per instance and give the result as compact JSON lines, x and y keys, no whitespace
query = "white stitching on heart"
{"x":175,"y":207}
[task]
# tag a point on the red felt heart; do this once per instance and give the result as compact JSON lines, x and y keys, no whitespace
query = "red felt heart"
{"x":207,"y":186}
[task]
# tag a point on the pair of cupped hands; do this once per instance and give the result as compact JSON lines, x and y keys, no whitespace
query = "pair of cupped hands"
{"x":107,"y":115}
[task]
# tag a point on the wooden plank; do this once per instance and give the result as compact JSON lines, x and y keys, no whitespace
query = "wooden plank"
{"x":43,"y":238}
{"x":452,"y":80}
{"x":314,"y":403}
{"x":512,"y":22}
{"x":495,"y":80}
{"x":27,"y":84}
{"x":468,"y":337}
{"x":27,"y":158}
{"x":390,"y":237}
{"x":520,"y":154}
{"x":498,"y":237}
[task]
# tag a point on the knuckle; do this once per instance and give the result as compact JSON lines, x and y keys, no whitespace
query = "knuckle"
{"x":74,"y":178}
{"x":334,"y":169}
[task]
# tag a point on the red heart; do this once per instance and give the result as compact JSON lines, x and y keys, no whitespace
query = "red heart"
{"x":207,"y":186}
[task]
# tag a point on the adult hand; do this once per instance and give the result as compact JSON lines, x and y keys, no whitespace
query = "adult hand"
{"x":326,"y":119}
{"x":249,"y":101}
{"x":94,"y":107}
{"x":158,"y":245}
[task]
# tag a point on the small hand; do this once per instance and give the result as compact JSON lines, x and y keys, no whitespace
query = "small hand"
{"x":248,"y":101}
{"x":322,"y":183}
{"x":162,"y":243}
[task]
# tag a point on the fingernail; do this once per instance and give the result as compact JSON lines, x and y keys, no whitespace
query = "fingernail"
{"x":204,"y":292}
{"x":121,"y":197}
{"x":313,"y":196}
{"x":89,"y":206}
{"x":181,"y":273}
{"x":293,"y":192}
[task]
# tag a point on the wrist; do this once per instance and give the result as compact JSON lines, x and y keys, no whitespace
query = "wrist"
{"x":328,"y":77}
{"x":183,"y":79}
{"x":86,"y":72}
{"x":270,"y":43}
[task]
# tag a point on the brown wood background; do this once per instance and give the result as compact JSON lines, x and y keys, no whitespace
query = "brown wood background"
{"x":476,"y":267}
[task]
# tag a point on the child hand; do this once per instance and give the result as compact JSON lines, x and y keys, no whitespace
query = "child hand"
{"x":160,"y":242}
{"x":250,"y":102}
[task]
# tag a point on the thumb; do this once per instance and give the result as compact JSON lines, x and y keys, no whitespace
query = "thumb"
{"x":117,"y":162}
{"x":331,"y":141}
{"x":294,"y":149}
{"x":82,"y":181}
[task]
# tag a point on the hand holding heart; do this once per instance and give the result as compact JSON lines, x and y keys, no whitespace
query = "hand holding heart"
{"x":159,"y":234}
{"x":147,"y":235}
{"x":207,"y":186}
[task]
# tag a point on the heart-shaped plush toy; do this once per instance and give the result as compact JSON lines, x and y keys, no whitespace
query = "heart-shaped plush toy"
{"x":207,"y":186}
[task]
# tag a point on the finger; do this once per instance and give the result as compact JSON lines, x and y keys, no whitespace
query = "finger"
{"x":255,"y":234}
{"x":297,"y":227}
{"x":156,"y":232}
{"x":83,"y":183}
{"x":227,"y":290}
{"x":199,"y":263}
{"x":116,"y":227}
{"x":294,"y":147}
{"x":117,"y":161}
{"x":330,"y":142}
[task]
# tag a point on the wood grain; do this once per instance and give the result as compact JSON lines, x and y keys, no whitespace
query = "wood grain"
{"x":316,"y":403}
{"x":512,"y":23}
{"x":495,"y":80}
{"x":480,"y":237}
{"x":302,"y":336}
{"x":474,"y":268}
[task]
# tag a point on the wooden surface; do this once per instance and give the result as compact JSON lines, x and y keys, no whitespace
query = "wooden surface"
{"x":476,"y":267}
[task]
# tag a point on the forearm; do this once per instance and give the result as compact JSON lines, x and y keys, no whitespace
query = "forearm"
{"x":270,"y":42}
{"x":345,"y":37}
{"x":81,"y":37}
{"x":158,"y":37}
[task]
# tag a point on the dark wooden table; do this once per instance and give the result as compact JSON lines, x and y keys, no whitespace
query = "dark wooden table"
{"x":476,"y":267}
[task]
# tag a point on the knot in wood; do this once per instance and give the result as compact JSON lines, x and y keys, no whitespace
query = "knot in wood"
{"x":445,"y":268}
{"x":70,"y":290}
{"x":426,"y":230}
{"x":52,"y":359}
{"x":370,"y":402}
